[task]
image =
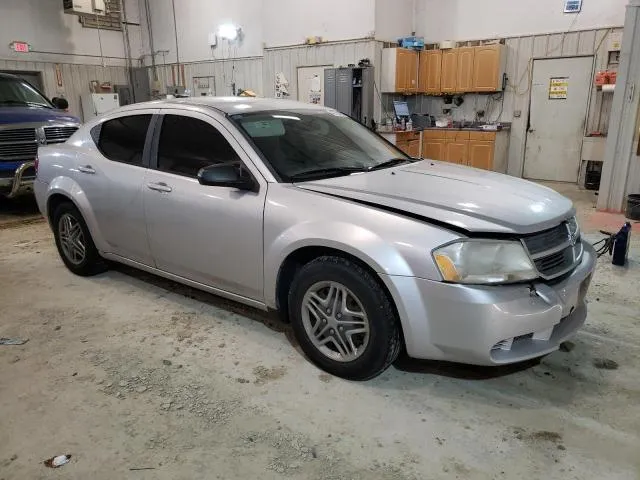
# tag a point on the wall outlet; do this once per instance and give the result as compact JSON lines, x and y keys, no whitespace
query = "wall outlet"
{"x":517,"y":114}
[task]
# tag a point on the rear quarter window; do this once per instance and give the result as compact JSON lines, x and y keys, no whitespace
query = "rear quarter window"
{"x":122,"y":139}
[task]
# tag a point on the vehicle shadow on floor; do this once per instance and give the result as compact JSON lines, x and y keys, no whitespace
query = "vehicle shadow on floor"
{"x":18,"y":211}
{"x":530,"y":384}
{"x":458,"y":370}
{"x":269,"y":319}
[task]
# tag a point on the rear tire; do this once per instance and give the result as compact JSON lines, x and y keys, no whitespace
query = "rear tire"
{"x":74,"y":242}
{"x":343,"y":319}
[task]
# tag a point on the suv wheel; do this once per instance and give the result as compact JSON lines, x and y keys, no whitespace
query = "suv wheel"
{"x":74,"y":242}
{"x":343,"y":319}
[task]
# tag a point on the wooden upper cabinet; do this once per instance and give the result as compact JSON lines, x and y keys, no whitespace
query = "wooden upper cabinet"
{"x":449,"y":75}
{"x":430,"y":71}
{"x":464,"y":82}
{"x":408,"y":63}
{"x":488,"y":68}
{"x":481,"y":154}
{"x":399,"y":70}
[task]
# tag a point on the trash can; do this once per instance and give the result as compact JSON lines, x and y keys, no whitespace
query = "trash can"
{"x":633,"y":207}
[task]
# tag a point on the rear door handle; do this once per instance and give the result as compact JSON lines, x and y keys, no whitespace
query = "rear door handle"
{"x":159,"y":187}
{"x":87,"y":169}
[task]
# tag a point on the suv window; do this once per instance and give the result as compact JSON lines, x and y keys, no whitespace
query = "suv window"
{"x":122,"y":139}
{"x":188,"y":144}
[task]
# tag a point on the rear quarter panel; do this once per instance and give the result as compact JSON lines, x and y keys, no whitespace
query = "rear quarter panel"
{"x":57,"y":174}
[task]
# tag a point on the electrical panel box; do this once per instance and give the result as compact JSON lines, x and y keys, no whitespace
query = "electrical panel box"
{"x":572,"y":6}
{"x":96,"y":104}
{"x":85,"y":7}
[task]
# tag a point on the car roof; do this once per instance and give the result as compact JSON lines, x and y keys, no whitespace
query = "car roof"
{"x":229,"y":105}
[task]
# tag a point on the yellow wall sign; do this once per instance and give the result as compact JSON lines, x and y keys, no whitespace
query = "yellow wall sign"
{"x":558,"y":88}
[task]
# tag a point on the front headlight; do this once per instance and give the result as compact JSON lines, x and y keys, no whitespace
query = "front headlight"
{"x":484,"y":262}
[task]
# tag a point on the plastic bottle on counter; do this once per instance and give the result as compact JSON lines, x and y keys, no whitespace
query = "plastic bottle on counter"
{"x":409,"y":126}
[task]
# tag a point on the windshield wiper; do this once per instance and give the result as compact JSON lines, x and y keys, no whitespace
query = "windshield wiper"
{"x":390,"y":163}
{"x":326,"y":172}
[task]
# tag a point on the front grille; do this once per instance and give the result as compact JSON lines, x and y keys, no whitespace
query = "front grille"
{"x":18,"y":151}
{"x":58,"y":134}
{"x":542,"y":241}
{"x":18,"y":135}
{"x":553,"y":251}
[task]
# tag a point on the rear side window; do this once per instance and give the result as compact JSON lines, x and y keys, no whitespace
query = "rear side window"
{"x":188,"y":144}
{"x":122,"y":139}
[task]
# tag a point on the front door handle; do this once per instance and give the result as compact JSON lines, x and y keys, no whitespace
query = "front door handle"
{"x":159,"y":187}
{"x":87,"y":169}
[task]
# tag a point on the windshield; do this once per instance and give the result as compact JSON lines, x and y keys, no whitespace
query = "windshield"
{"x":311,"y":144}
{"x":14,"y":91}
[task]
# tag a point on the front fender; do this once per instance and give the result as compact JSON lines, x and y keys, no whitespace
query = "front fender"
{"x":352,"y":239}
{"x":68,"y":187}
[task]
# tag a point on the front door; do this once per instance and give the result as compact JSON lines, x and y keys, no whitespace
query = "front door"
{"x":212,"y":235}
{"x":112,"y":180}
{"x":560,"y":91}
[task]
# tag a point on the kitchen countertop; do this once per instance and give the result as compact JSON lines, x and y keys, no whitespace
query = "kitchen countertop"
{"x":505,"y":127}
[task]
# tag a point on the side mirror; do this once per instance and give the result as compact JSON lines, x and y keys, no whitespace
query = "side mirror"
{"x":228,"y":174}
{"x":60,"y":103}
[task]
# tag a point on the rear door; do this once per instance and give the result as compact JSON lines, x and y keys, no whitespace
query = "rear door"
{"x":111,"y":176}
{"x":211,"y":235}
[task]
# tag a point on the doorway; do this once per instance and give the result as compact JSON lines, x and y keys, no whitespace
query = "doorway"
{"x":34,"y":78}
{"x":560,"y":91}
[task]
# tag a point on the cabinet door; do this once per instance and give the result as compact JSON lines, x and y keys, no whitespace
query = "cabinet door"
{"x":406,"y":70}
{"x":411,"y":69}
{"x":431,"y":72}
{"x":449,"y":71}
{"x":457,"y":152}
{"x":423,"y":72}
{"x":464,"y":82}
{"x":486,"y":68}
{"x":481,"y":155}
{"x":433,"y":149}
{"x":413,"y":149}
{"x":403,"y":145}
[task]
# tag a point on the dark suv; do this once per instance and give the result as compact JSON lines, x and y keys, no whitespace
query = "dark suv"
{"x":27,"y":119}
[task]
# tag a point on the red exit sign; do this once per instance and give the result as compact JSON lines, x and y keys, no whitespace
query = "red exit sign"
{"x":20,"y":47}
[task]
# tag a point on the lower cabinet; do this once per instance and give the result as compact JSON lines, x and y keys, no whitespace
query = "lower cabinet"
{"x":481,"y":154}
{"x":434,"y":149}
{"x":474,"y":149}
{"x":457,"y":151}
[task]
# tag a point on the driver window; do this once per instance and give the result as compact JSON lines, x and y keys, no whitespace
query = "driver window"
{"x":188,"y":144}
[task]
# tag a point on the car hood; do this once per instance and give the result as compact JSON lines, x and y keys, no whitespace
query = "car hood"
{"x":17,"y":114}
{"x":463,"y":198}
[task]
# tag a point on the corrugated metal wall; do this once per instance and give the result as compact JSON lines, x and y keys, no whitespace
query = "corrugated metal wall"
{"x":75,"y":78}
{"x":246,"y":73}
{"x":520,"y":54}
{"x":288,"y":59}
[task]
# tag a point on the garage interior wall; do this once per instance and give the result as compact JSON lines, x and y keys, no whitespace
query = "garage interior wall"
{"x":59,"y":42}
{"x":520,"y":54}
{"x":439,"y":20}
{"x":75,"y":78}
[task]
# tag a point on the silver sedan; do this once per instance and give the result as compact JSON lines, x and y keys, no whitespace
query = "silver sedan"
{"x":297,"y":208}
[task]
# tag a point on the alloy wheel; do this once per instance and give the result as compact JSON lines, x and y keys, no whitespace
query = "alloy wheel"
{"x":72,"y":239}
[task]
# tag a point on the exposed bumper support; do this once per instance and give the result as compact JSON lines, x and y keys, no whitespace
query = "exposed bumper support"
{"x":18,"y":184}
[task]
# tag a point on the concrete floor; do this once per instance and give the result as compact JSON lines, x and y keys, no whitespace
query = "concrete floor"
{"x":126,"y":371}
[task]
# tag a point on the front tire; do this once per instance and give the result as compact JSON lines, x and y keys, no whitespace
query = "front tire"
{"x":343,"y":319}
{"x":74,"y":242}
